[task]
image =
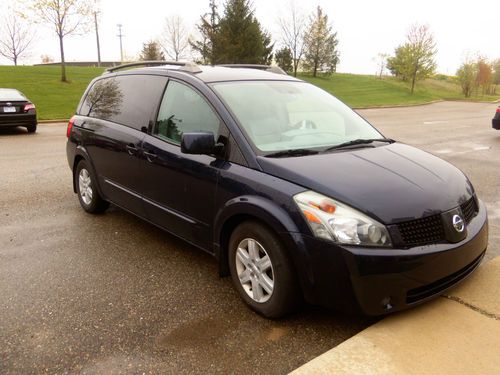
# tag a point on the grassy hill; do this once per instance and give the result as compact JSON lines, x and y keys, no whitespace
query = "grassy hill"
{"x":41,"y":84}
{"x":57,"y":100}
{"x":369,"y":91}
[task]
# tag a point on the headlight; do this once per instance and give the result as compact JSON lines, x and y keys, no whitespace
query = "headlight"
{"x":337,"y":222}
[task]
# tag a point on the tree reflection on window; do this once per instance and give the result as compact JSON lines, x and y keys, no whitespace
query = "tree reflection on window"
{"x":105,"y":99}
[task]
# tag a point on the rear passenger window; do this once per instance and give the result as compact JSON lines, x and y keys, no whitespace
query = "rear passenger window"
{"x":183,"y":110}
{"x":128,"y":100}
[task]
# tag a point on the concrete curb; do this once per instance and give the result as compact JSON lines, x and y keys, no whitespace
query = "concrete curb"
{"x":52,"y":121}
{"x":401,"y":105}
{"x":456,"y":334}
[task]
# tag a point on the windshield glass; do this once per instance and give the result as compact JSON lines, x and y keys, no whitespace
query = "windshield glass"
{"x":10,"y":94}
{"x":287,"y":115}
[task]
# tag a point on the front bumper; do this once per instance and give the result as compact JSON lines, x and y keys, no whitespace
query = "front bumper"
{"x":379,"y":281}
{"x":18,"y":119}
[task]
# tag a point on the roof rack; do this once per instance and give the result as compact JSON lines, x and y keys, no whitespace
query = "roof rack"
{"x":187,"y":66}
{"x":269,"y":68}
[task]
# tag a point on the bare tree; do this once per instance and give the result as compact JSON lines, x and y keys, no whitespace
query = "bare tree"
{"x":381,"y":61}
{"x":175,"y":38}
{"x":292,"y":33}
{"x":68,"y":17}
{"x":15,"y":38}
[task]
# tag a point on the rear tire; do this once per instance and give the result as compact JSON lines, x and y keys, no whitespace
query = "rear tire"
{"x":86,"y":189}
{"x":262,"y":272}
{"x":31,"y":128}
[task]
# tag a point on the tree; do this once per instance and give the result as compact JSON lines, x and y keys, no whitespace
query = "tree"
{"x":414,"y":60}
{"x":466,"y":75}
{"x":68,"y":17}
{"x":175,"y":40}
{"x":381,"y":61}
{"x":240,"y":38}
{"x":284,"y":59}
{"x":208,"y":30}
{"x":15,"y":38}
{"x":292,"y":34}
{"x":484,"y":76}
{"x":496,"y":74}
{"x":151,"y":51}
{"x":320,"y":44}
{"x":46,"y":59}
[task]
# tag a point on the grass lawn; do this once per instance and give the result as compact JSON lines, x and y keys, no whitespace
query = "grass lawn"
{"x":41,"y":84}
{"x":369,"y":91}
{"x":57,"y":100}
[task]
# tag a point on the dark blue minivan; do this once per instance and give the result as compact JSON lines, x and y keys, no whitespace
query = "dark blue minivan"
{"x":296,"y":196}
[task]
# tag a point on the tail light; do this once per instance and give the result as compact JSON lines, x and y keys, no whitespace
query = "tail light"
{"x":498,"y":110}
{"x":28,"y":106}
{"x":70,"y":126}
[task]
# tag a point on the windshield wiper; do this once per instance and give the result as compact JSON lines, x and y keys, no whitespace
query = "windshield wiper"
{"x":360,"y":142}
{"x":293,"y":152}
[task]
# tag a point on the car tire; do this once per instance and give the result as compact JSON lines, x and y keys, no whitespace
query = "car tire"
{"x":262,"y":272}
{"x":86,"y":189}
{"x":31,"y":128}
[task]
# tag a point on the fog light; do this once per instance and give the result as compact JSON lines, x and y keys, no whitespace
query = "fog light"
{"x":386,"y":303}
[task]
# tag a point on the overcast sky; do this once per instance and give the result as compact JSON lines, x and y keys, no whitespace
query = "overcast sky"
{"x":364,"y":28}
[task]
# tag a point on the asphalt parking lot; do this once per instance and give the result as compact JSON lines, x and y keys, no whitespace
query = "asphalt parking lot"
{"x":112,"y":294}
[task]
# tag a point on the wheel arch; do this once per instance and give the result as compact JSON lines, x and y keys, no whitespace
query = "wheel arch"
{"x":266,"y":212}
{"x":82,"y":154}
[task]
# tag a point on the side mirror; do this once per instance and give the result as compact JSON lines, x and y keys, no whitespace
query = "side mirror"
{"x":199,"y":144}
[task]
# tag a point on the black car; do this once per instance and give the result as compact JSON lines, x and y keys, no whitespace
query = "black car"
{"x":295,"y":195}
{"x":496,"y":120}
{"x":17,"y":110}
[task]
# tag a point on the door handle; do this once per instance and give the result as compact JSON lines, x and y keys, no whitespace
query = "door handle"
{"x":150,"y":155}
{"x":131,"y":149}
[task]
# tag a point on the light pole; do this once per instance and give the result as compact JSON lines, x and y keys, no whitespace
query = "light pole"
{"x":120,"y":35}
{"x":97,"y":38}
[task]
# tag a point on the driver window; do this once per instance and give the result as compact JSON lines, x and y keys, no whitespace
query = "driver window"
{"x":183,"y":110}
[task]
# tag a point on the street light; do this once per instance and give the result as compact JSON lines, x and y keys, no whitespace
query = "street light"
{"x":120,"y":35}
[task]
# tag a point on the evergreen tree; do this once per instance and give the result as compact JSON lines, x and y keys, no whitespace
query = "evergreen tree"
{"x":208,"y":28}
{"x":240,"y":38}
{"x":151,"y":51}
{"x":320,"y":44}
{"x":284,"y":59}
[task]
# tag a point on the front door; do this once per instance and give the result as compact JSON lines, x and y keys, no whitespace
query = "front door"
{"x":179,"y":189}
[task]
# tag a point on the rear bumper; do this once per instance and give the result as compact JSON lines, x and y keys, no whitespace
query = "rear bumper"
{"x":496,"y":123}
{"x":18,"y":119}
{"x":380,"y":281}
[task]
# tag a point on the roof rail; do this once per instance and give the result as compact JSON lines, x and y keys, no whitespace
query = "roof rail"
{"x":269,"y":68}
{"x":187,"y":66}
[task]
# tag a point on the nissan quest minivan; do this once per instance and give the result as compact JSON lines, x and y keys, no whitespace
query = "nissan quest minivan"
{"x":295,"y":195}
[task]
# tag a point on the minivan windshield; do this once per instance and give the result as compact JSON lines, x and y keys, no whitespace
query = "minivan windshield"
{"x":291,"y":115}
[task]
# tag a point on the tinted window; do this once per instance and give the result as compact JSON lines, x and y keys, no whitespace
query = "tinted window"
{"x":183,"y":110}
{"x":129,"y":100}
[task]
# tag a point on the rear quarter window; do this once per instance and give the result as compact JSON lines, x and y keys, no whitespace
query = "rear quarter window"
{"x":128,"y":100}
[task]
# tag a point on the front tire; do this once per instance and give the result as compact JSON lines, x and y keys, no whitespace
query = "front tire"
{"x":86,"y":189}
{"x":261,"y":270}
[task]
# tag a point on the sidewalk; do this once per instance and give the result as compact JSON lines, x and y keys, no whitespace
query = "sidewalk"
{"x":458,"y":333}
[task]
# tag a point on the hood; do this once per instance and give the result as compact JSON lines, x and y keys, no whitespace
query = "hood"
{"x":392,"y":183}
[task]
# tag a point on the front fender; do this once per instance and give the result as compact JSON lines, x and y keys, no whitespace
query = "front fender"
{"x":249,"y":207}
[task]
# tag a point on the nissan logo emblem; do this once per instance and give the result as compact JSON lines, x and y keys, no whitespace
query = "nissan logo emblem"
{"x":458,"y":223}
